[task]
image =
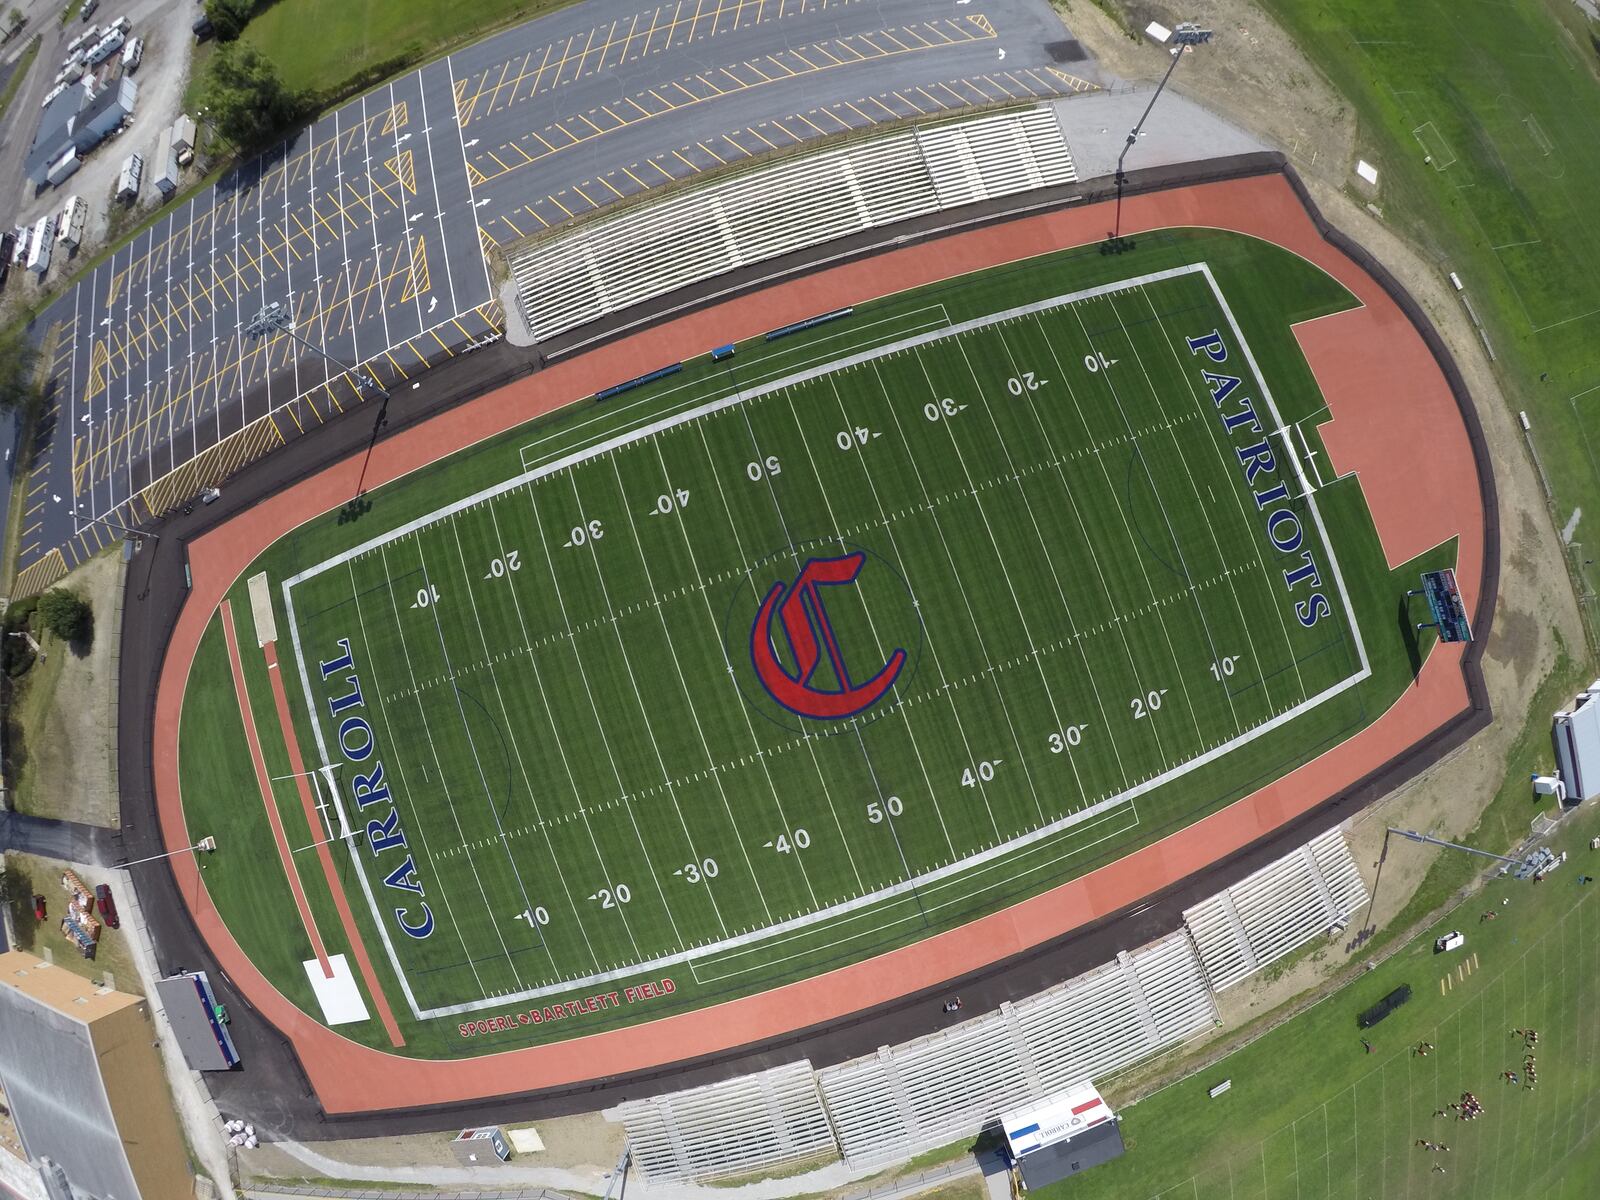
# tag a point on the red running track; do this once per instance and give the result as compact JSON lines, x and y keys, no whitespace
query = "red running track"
{"x":1373,"y":368}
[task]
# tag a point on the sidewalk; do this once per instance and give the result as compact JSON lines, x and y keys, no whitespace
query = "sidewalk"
{"x":512,"y":1182}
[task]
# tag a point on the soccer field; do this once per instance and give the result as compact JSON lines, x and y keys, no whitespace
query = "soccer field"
{"x":774,"y":664}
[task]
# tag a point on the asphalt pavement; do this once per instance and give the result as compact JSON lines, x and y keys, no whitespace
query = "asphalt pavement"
{"x":373,"y":226}
{"x":65,"y":840}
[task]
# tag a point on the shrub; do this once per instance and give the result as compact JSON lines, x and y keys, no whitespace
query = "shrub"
{"x":66,"y":614}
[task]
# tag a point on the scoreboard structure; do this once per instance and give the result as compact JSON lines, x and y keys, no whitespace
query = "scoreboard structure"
{"x":1444,"y":605}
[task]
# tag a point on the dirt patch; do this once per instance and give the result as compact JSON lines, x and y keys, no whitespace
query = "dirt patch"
{"x":587,"y":1143}
{"x":64,"y":734}
{"x":1254,"y":75}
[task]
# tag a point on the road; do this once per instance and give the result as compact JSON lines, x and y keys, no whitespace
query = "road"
{"x":374,"y":225}
{"x":64,"y":840}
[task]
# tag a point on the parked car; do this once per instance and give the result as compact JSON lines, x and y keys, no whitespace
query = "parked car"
{"x":87,"y":10}
{"x":202,"y":28}
{"x":38,"y":908}
{"x":108,"y":908}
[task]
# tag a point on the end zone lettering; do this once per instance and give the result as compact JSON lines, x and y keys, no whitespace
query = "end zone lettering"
{"x":569,"y":1008}
{"x":1283,"y":523}
{"x":357,"y":742}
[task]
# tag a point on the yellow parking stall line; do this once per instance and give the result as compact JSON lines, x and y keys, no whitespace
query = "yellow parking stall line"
{"x":668,"y":174}
{"x":999,"y":84}
{"x":513,"y":225}
{"x":641,"y":109}
{"x":922,"y":42}
{"x":396,"y":365}
{"x":889,"y":112}
{"x":712,"y":152}
{"x":528,"y":208}
{"x":456,"y":321}
{"x":609,"y":184}
{"x":619,"y":120}
{"x":587,"y":200}
{"x":629,"y":173}
{"x":560,"y":205}
{"x":39,"y":487}
{"x":739,"y":85}
{"x":809,"y":122}
{"x":666,"y":105}
{"x":754,"y":132}
{"x":907,"y":101}
{"x":810,"y":66}
{"x":694,"y":169}
{"x":929,"y":97}
{"x":843,"y":124}
{"x":589,"y":123}
{"x":765,"y":78}
{"x":442,"y":344}
{"x":497,"y":159}
{"x":715,"y":90}
{"x":728,"y":137}
{"x":884,"y":33}
{"x":860,"y":112}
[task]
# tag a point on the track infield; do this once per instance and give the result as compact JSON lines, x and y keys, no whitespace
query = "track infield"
{"x":791,"y":666}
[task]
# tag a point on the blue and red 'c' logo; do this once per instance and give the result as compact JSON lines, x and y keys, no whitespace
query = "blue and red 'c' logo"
{"x":803,"y":615}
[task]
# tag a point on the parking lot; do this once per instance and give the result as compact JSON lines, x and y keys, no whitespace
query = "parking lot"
{"x":372,"y":226}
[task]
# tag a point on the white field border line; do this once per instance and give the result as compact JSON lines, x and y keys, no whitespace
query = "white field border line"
{"x":967,"y":864}
{"x":716,"y":386}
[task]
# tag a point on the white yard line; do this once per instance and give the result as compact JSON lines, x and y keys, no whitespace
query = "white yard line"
{"x":644,"y":710}
{"x":415,"y":825}
{"x":566,"y":766}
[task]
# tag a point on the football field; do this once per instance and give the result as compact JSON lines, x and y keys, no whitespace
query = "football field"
{"x":822,"y":654}
{"x":778,"y":661}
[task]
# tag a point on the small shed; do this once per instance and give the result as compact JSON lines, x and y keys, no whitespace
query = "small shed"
{"x":1576,"y":734}
{"x":1062,"y":1135}
{"x":481,"y":1147}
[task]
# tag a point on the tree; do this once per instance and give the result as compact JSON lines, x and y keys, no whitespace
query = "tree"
{"x":244,"y":98}
{"x":19,"y":359}
{"x":66,"y":614}
{"x":229,"y":17}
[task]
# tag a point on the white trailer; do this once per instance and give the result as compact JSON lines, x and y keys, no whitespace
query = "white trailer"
{"x":44,"y":240}
{"x":132,"y":174}
{"x":74,"y":216}
{"x":166,"y":164}
{"x":183,"y":133}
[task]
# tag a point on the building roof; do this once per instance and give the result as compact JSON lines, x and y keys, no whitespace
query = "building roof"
{"x":55,"y":132}
{"x":59,"y":989}
{"x":1053,"y":1163}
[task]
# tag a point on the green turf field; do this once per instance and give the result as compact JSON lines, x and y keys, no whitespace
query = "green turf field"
{"x":1505,"y":98}
{"x":1063,"y":601}
{"x":1312,"y":1115}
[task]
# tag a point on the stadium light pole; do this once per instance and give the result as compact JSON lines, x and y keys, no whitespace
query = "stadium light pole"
{"x":1187,"y":34}
{"x":137,"y":535}
{"x":273,"y":319}
{"x":208,"y":844}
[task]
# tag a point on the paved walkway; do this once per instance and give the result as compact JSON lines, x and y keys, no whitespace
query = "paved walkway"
{"x":515,"y":1182}
{"x":49,"y":838}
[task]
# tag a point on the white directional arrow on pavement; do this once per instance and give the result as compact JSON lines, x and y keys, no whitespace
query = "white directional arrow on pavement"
{"x":472,"y":143}
{"x":481,"y":203}
{"x":433,"y":303}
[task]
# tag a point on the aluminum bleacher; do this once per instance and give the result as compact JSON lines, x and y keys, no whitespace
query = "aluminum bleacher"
{"x":755,"y":1122}
{"x":1276,"y":910}
{"x":606,"y":265}
{"x":926,"y":1093}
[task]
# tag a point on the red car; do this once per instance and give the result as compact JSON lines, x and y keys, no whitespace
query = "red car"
{"x":108,"y":910}
{"x":38,"y":908}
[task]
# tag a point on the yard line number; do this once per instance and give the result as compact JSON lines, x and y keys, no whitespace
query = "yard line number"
{"x":982,"y":772}
{"x":578,"y":535}
{"x":1143,"y":706}
{"x":1223,"y":667}
{"x":670,"y":502}
{"x":1062,"y":739}
{"x":511,"y":560}
{"x":942,"y":410}
{"x":1026,"y":382}
{"x":533,"y":916}
{"x":849,"y":439}
{"x":612,"y":896}
{"x":878,"y":812}
{"x":426,"y":597}
{"x":787,"y":843}
{"x":758,"y":469}
{"x":704,"y":869}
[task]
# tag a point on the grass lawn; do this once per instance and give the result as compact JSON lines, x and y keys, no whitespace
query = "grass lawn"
{"x":1505,"y":99}
{"x":585,"y":778}
{"x":318,"y":45}
{"x":19,"y":74}
{"x":1312,"y":1114}
{"x":28,"y":875}
{"x":35,"y":698}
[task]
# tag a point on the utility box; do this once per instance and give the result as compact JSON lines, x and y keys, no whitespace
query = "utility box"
{"x":132,"y":174}
{"x":166,"y":164}
{"x":73,"y":218}
{"x":481,"y":1147}
{"x":183,"y":133}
